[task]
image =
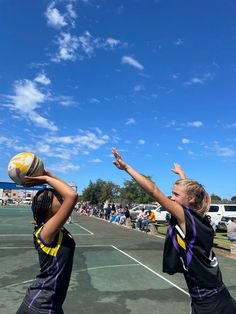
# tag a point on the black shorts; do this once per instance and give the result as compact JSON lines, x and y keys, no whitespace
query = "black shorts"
{"x":220,"y":303}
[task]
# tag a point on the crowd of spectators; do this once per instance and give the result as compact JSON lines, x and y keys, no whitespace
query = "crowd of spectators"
{"x":116,"y":213}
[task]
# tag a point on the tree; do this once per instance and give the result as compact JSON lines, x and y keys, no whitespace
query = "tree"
{"x":100,"y":191}
{"x":133,"y":193}
{"x":233,"y":199}
{"x":215,"y":198}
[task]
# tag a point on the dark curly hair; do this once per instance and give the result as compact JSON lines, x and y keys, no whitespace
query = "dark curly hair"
{"x":42,"y":201}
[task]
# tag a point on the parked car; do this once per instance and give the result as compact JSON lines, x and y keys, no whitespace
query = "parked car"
{"x":217,"y":211}
{"x":137,"y":209}
{"x":162,"y":215}
{"x":222,"y":225}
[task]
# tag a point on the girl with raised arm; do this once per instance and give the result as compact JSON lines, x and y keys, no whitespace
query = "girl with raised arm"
{"x":51,"y":208}
{"x":189,"y":241}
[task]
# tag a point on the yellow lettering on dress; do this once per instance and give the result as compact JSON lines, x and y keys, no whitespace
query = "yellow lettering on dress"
{"x":47,"y":249}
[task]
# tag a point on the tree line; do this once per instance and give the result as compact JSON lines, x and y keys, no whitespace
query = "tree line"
{"x":100,"y":191}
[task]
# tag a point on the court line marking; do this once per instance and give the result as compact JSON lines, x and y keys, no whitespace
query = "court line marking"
{"x":31,"y":234}
{"x":90,"y":232}
{"x":108,"y":266}
{"x":151,"y":270}
{"x":32,"y":247}
{"x":124,"y":253}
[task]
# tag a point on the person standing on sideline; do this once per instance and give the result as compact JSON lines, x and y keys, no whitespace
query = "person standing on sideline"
{"x":189,"y":242}
{"x":51,"y":208}
{"x":231,"y":229}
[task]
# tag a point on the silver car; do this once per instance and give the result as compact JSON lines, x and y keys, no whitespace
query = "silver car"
{"x":137,"y":209}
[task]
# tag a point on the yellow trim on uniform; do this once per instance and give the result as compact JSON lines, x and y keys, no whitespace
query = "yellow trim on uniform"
{"x":47,"y":249}
{"x":181,"y":242}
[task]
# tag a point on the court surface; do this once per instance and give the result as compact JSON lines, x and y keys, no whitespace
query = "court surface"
{"x":116,"y":269}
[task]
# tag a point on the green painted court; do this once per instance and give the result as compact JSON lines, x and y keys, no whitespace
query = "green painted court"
{"x":116,"y":269}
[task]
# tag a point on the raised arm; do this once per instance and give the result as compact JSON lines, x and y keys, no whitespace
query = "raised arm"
{"x":179,"y":171}
{"x":62,"y":204}
{"x":174,"y":208}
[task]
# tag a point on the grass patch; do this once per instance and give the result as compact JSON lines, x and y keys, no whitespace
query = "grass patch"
{"x":220,"y":239}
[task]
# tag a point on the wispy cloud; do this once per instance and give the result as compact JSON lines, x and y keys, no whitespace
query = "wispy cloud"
{"x":71,"y":47}
{"x":55,"y":19}
{"x":27,"y":99}
{"x":179,"y":42}
{"x":58,"y":19}
{"x":131,"y":61}
{"x":130,"y":121}
{"x":196,"y":124}
{"x":185,"y":141}
{"x":139,"y":88}
{"x":224,"y":151}
{"x":96,"y":160}
{"x":141,"y":142}
{"x":67,"y":48}
{"x":199,"y":80}
{"x":42,"y":79}
{"x":64,"y":167}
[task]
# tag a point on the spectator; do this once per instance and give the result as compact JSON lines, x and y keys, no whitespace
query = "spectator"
{"x":125,"y":215}
{"x":149,"y":219}
{"x":140,"y":218}
{"x":231,"y":229}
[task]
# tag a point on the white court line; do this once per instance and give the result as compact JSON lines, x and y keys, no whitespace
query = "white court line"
{"x":126,"y":254}
{"x":109,"y":266}
{"x":31,"y":234}
{"x":32,"y":247}
{"x":151,"y":270}
{"x":75,"y":223}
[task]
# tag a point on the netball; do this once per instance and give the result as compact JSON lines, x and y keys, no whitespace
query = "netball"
{"x":25,"y":164}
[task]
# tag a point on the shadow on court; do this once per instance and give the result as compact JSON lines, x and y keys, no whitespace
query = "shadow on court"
{"x":116,"y":270}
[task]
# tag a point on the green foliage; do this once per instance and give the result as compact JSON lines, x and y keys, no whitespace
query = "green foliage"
{"x":100,"y":191}
{"x":233,"y":199}
{"x":215,"y":198}
{"x":133,"y":193}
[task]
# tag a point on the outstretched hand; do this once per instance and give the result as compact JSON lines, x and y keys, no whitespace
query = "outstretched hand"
{"x":178,"y":170}
{"x":119,"y":163}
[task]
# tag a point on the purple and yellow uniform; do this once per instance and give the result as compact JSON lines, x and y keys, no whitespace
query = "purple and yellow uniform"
{"x":191,"y":254}
{"x":47,"y":293}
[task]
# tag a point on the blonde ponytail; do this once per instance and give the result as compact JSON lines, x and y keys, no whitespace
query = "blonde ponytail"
{"x":196,"y":190}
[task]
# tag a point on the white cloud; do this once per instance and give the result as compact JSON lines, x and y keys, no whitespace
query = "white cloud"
{"x":67,"y":47}
{"x":54,"y":17}
{"x":64,"y":167}
{"x":224,"y":151}
{"x":141,"y":142}
{"x":96,"y":160}
{"x":185,"y":141}
{"x":65,"y":101}
{"x":199,"y":80}
{"x":130,"y":121}
{"x":179,"y":42}
{"x":138,"y":88}
{"x":94,"y":101}
{"x":112,"y":43}
{"x":26,"y":100}
{"x":42,"y":79}
{"x":86,"y":140}
{"x":196,"y":124}
{"x":131,"y":61}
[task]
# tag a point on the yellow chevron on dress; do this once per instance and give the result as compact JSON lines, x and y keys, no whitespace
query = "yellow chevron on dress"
{"x":181,"y":242}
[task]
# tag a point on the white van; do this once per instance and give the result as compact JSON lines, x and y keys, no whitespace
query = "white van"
{"x":217,"y":211}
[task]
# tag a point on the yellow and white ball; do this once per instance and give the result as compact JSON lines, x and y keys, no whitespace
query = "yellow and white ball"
{"x":25,"y":164}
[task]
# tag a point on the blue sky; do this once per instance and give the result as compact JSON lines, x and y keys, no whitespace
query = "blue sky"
{"x":154,"y":78}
